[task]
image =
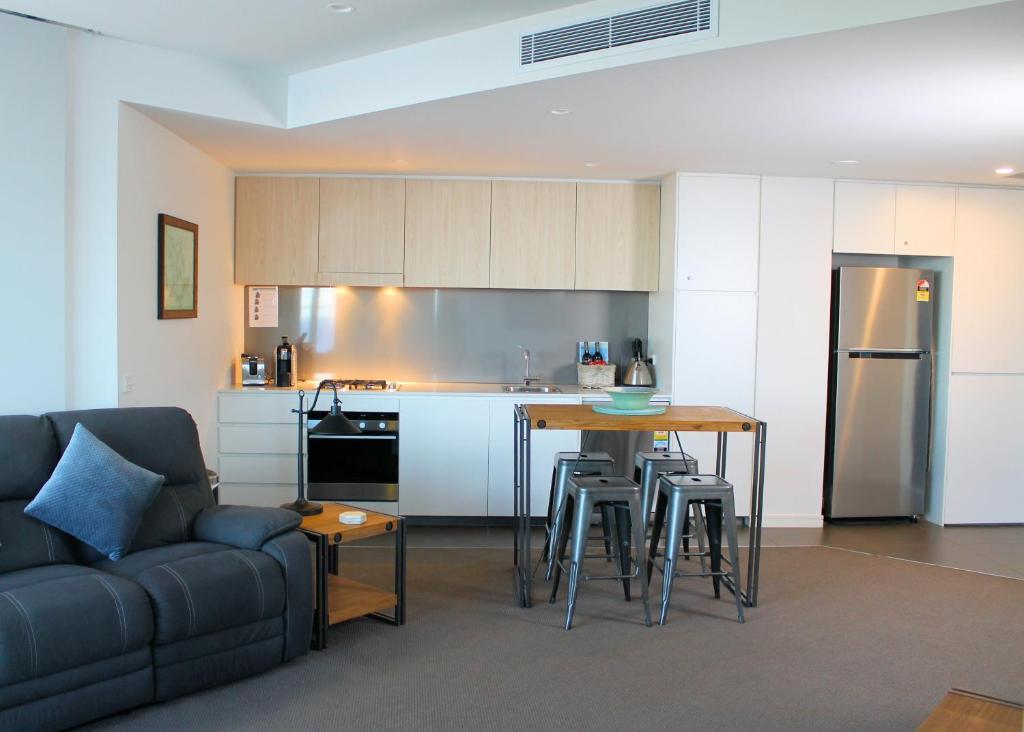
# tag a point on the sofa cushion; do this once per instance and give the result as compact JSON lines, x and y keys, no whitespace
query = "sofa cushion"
{"x":135,"y":563}
{"x":96,"y":495}
{"x":26,"y":542}
{"x":206,"y":592}
{"x":63,"y":616}
{"x":28,"y":454}
{"x":163,"y":440}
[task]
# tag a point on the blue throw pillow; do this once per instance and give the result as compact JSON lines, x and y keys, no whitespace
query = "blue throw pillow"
{"x":96,"y":495}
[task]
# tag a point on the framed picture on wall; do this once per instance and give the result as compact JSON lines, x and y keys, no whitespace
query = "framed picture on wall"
{"x":177,"y":268}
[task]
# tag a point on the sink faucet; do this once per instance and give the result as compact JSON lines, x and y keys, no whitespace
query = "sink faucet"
{"x":527,"y":376}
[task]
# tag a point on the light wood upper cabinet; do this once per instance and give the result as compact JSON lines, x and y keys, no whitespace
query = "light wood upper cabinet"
{"x":276,"y":230}
{"x":447,"y":233}
{"x":617,"y":229}
{"x":865,"y":218}
{"x":362,"y":231}
{"x":533,"y":235}
{"x":925,"y":220}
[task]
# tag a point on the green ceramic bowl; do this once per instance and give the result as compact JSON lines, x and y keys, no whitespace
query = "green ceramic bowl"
{"x":631,"y":397}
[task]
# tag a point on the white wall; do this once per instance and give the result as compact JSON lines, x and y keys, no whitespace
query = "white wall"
{"x":661,"y":305}
{"x":174,"y":362}
{"x":103,"y":73}
{"x":33,"y":61}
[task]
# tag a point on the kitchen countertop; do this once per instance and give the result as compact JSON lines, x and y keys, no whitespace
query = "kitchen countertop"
{"x":414,"y":388}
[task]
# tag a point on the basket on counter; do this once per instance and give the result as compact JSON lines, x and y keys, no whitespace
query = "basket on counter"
{"x":595,"y":377}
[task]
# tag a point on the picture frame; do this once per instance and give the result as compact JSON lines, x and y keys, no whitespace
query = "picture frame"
{"x":177,"y":287}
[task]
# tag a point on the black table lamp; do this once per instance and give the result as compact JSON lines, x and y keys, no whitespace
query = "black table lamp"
{"x":334,"y":423}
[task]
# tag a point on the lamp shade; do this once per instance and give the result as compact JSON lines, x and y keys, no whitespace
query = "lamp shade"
{"x":335,"y":423}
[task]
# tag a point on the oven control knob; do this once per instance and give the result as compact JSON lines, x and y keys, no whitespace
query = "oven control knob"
{"x":382,"y":426}
{"x":362,"y":425}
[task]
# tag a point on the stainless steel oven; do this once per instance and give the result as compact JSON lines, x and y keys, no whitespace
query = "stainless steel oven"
{"x":362,"y":467}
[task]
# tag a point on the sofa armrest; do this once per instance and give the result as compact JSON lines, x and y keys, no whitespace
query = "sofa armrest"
{"x":245,"y":527}
{"x":291,"y":550}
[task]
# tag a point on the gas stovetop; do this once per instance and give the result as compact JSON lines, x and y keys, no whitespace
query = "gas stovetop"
{"x":367,"y":385}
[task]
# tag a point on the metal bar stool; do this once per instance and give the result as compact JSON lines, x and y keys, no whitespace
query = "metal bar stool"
{"x":648,"y":467}
{"x":583,"y":495}
{"x":675,"y":493}
{"x":567,"y":465}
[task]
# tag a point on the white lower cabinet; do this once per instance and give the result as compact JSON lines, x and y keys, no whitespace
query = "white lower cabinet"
{"x":544,"y":445}
{"x":983,"y":448}
{"x":442,"y":463}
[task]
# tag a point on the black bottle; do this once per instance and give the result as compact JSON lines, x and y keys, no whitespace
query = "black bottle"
{"x":286,"y":366}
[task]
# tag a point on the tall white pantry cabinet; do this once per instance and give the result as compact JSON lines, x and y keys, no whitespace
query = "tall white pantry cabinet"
{"x":746,"y":252}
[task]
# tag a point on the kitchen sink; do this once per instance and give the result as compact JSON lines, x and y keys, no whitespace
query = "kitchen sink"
{"x":532,"y":389}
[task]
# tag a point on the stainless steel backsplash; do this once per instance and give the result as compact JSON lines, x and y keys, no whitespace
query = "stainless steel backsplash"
{"x":412,"y":334}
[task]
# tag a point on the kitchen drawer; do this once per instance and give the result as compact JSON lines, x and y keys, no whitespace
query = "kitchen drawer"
{"x":259,"y":408}
{"x":258,"y":469}
{"x":271,"y":439}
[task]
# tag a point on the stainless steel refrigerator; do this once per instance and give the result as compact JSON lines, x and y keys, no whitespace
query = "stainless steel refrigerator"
{"x":880,"y":378}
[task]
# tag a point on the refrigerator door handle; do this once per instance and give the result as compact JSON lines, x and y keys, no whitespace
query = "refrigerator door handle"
{"x":915,"y":356}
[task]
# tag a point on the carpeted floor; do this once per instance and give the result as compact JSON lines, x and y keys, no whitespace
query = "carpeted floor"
{"x":840,"y":641}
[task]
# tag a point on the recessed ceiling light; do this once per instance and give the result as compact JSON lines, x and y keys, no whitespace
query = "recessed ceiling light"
{"x":845,"y":162}
{"x":401,"y":162}
{"x":340,"y":7}
{"x":590,"y":165}
{"x":560,"y":111}
{"x":1005,"y":171}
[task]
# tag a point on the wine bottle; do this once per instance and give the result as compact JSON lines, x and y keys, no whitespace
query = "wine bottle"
{"x":598,"y":359}
{"x":586,"y":353}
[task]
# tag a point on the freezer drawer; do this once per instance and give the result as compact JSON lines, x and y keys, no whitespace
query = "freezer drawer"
{"x":878,"y":308}
{"x":879,"y":440}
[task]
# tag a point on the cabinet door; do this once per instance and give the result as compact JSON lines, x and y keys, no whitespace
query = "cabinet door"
{"x":988,"y":300}
{"x":362,"y":231}
{"x":718,"y":220}
{"x":983,"y":477}
{"x":442,"y":463}
{"x":543,"y":446}
{"x":925,"y":218}
{"x":275,"y":230}
{"x":716,"y":333}
{"x":447,"y":233}
{"x":617,"y":236}
{"x":792,"y":372}
{"x":533,"y":235}
{"x":865,"y":218}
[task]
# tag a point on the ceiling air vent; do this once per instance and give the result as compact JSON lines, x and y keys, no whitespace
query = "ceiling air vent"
{"x":602,"y":34}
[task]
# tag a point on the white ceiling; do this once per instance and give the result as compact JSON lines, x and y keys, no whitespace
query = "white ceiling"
{"x":939,"y":98}
{"x":283,"y":35}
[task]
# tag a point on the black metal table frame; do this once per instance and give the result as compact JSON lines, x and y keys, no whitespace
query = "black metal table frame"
{"x":522,"y":520}
{"x":327,"y":561}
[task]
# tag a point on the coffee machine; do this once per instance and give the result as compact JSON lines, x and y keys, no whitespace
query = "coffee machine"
{"x":287,"y":365}
{"x":254,"y":370}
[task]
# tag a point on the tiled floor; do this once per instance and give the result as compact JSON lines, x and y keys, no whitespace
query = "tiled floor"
{"x":990,"y":549}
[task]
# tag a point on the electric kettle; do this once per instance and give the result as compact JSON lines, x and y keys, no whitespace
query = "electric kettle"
{"x":638,"y":373}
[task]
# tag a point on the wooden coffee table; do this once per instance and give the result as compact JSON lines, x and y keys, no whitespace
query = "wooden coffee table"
{"x":338,"y":598}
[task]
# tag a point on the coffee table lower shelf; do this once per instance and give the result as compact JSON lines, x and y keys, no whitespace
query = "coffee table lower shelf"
{"x":348,"y":599}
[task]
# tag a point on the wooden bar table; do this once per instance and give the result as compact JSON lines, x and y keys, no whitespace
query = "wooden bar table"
{"x":720,"y":420}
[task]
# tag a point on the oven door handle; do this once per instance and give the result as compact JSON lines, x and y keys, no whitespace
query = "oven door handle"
{"x":353,"y":437}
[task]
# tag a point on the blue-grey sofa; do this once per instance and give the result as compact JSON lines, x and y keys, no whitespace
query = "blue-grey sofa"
{"x":207,"y":594}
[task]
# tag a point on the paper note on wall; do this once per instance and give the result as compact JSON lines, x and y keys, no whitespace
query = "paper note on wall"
{"x":262,"y":307}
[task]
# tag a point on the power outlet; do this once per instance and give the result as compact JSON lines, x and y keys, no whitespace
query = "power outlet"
{"x":127,"y":384}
